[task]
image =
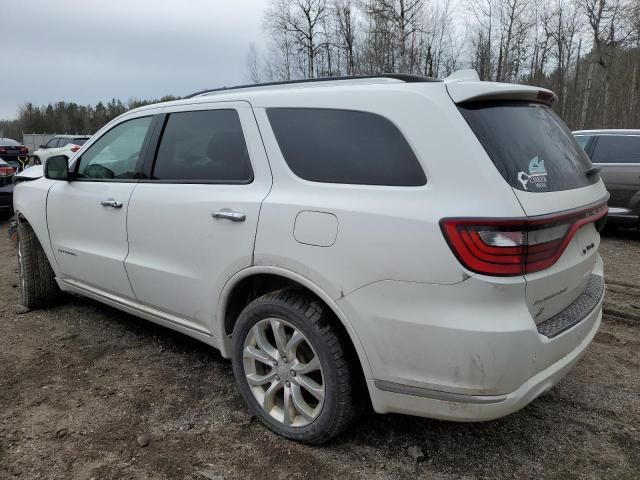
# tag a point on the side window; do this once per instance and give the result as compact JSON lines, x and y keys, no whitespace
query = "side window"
{"x":52,"y":143}
{"x":617,"y":149}
{"x":205,"y":145}
{"x":115,"y":154}
{"x":583,"y":140}
{"x":344,"y":146}
{"x":63,"y":142}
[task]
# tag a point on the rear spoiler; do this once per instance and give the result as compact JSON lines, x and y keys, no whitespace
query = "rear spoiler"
{"x":465,"y":86}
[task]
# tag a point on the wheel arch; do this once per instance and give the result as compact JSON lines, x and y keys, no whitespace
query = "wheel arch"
{"x":42,"y":234}
{"x":228,"y":306}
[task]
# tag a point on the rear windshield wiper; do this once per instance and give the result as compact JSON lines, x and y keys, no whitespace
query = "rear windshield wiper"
{"x":592,"y":171}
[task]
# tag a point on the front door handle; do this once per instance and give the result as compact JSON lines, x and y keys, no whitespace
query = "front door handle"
{"x":230,"y":215}
{"x":111,"y":203}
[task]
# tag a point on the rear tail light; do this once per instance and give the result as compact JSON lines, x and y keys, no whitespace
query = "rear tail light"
{"x":7,"y":171}
{"x":504,"y":247}
{"x":75,"y":148}
{"x":24,"y":151}
{"x":2,"y":150}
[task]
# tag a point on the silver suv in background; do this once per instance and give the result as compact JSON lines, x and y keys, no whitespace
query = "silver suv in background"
{"x":617,"y":154}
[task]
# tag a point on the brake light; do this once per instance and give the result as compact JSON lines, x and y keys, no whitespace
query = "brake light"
{"x":75,"y":148}
{"x":505,"y":247}
{"x":6,"y":171}
{"x":2,"y":150}
{"x":24,"y":150}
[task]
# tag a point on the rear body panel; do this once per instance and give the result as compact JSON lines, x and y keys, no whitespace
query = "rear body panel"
{"x":552,"y":290}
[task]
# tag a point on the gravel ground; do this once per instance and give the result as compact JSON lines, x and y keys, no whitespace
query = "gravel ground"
{"x":89,"y":392}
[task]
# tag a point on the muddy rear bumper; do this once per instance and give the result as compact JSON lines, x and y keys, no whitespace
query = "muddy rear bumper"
{"x":388,"y":397}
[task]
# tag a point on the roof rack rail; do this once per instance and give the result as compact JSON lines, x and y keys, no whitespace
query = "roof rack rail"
{"x":405,"y":77}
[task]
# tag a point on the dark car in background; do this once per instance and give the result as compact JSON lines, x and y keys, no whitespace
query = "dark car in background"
{"x":14,"y":153}
{"x":617,"y":154}
{"x":6,"y":189}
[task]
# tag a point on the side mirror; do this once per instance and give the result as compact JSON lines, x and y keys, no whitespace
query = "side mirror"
{"x":57,"y":168}
{"x":41,"y":146}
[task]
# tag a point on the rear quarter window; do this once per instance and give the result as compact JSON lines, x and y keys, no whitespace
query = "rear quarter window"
{"x":344,"y":146}
{"x":530,"y":146}
{"x":617,"y":149}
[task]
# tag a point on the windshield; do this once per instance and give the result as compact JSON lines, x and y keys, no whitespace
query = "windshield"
{"x":530,"y":146}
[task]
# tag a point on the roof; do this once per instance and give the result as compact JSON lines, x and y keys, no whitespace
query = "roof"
{"x":608,"y":131}
{"x":461,"y":86}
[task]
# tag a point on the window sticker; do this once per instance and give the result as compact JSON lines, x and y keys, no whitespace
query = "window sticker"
{"x":537,"y":174}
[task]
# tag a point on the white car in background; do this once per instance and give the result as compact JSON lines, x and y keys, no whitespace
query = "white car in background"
{"x":66,"y":145}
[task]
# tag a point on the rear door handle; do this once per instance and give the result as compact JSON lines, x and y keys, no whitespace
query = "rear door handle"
{"x":111,"y":203}
{"x":230,"y":215}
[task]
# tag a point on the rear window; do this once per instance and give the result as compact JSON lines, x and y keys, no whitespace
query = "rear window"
{"x":344,"y":146}
{"x":529,"y":145}
{"x":8,"y":142}
{"x":617,"y":149}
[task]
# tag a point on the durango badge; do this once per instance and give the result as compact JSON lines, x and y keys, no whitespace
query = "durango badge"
{"x":537,"y":174}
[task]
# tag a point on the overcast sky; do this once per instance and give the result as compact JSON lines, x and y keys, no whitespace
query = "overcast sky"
{"x":90,"y":50}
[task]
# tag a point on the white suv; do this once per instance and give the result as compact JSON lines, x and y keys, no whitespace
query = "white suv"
{"x":430,"y":246}
{"x":66,"y":145}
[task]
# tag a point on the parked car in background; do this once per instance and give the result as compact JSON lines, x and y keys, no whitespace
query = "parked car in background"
{"x":430,"y":246}
{"x":617,"y":154}
{"x":66,"y":145}
{"x":6,"y":189}
{"x":14,"y":153}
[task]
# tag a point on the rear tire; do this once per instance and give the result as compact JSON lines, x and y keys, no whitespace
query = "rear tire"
{"x":307,"y":404}
{"x":38,"y":287}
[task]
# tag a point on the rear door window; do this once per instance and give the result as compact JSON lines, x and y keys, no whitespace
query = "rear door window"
{"x":205,"y":146}
{"x":530,"y":146}
{"x":617,"y":149}
{"x":344,"y":146}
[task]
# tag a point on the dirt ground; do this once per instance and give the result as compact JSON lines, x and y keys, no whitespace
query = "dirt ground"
{"x":82,"y":386}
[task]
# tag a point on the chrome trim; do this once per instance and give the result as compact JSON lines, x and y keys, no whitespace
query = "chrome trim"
{"x":437,"y":394}
{"x":229,"y":215}
{"x":111,"y":203}
{"x":619,"y":211}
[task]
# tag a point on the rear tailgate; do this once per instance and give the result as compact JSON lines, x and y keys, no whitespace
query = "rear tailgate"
{"x":551,"y":178}
{"x":552,"y":290}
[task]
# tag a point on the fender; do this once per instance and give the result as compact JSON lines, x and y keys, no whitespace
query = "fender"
{"x":225,"y":341}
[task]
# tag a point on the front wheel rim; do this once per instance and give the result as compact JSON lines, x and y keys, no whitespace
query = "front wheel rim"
{"x":283,"y":372}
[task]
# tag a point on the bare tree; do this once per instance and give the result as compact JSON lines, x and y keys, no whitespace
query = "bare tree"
{"x":253,"y":67}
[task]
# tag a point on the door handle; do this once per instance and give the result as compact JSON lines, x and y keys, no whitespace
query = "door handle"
{"x":111,"y":203}
{"x":230,"y":215}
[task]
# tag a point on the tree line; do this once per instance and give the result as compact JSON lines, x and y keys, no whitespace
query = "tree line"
{"x":586,"y":51}
{"x":68,"y":117}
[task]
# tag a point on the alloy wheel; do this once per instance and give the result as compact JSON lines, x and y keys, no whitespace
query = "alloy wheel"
{"x":284,"y":372}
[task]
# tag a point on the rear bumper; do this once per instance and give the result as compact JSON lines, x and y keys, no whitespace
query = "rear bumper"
{"x":475,"y":408}
{"x":465,"y":352}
